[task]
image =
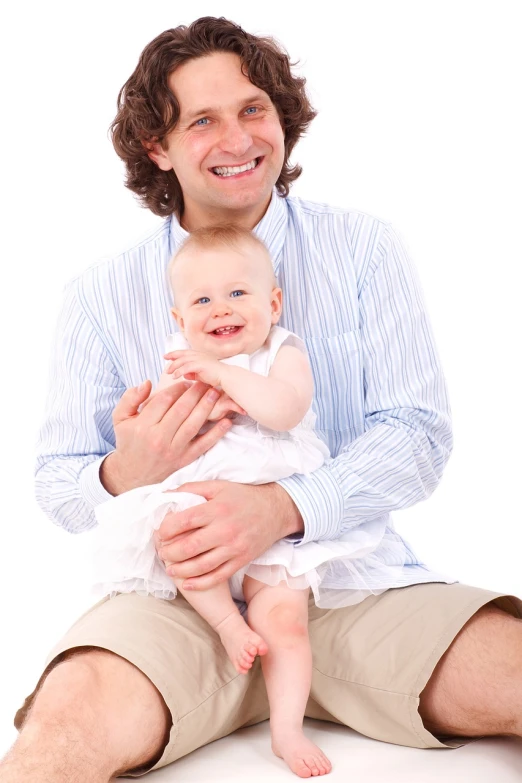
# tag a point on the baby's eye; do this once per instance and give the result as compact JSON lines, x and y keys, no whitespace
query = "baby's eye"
{"x":237,"y":293}
{"x":202,"y":300}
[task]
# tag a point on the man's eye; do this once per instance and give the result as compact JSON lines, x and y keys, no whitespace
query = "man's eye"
{"x":237,"y":293}
{"x":202,"y":300}
{"x":251,"y":109}
{"x":202,"y":120}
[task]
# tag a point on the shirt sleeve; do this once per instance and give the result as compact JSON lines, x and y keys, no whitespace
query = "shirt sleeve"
{"x":77,"y":433}
{"x":399,"y":459}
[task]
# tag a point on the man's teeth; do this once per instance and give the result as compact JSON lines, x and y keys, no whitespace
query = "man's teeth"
{"x":229,"y":171}
{"x":225,"y":330}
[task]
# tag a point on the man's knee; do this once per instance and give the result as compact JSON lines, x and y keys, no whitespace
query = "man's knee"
{"x":94,"y":708}
{"x":476,"y":687}
{"x":93,"y":685}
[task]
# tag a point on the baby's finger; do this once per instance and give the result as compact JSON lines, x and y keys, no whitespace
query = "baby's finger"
{"x":188,"y":367}
{"x":181,"y":360}
{"x":174,"y":354}
{"x":179,"y":364}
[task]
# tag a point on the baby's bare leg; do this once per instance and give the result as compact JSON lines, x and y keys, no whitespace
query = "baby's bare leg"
{"x":217,"y":607}
{"x":280,"y":615}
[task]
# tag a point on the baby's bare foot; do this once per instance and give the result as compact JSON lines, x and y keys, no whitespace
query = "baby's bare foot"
{"x":241,"y":642}
{"x":301,"y":754}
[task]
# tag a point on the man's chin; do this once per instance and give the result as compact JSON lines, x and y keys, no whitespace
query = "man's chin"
{"x":243,"y":200}
{"x":243,"y":192}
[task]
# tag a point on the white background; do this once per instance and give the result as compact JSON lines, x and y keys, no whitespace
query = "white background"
{"x":418,"y":124}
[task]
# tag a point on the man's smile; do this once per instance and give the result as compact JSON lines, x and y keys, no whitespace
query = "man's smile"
{"x":225,"y":172}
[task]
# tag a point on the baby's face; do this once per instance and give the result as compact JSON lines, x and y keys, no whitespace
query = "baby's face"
{"x":225,"y":298}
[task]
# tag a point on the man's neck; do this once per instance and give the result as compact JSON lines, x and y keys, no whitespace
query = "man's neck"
{"x":192,"y":218}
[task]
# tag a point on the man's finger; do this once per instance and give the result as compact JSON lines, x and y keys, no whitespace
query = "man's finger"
{"x":202,"y":443}
{"x":212,"y":579}
{"x":199,"y":565}
{"x":163,"y":402}
{"x":184,"y":547}
{"x":130,"y":401}
{"x":185,"y":419}
{"x":207,"y":489}
{"x":177,"y":522}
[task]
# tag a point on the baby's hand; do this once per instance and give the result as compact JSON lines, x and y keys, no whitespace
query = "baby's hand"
{"x":194,"y":366}
{"x":224,"y":406}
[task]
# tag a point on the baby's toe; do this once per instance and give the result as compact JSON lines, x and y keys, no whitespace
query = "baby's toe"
{"x":245,"y":661}
{"x":302,"y":769}
{"x":321,"y":764}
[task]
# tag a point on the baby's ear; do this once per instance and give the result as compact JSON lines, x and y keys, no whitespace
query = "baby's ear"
{"x":177,"y":317}
{"x":276,"y":302}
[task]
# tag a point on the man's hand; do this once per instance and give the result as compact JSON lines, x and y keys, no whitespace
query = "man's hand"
{"x":195,"y":366}
{"x":162,"y":437}
{"x":210,"y":542}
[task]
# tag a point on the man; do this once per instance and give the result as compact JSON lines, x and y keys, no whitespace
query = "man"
{"x":206,"y":125}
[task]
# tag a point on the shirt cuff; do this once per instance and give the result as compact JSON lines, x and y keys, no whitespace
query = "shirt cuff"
{"x":319,"y":498}
{"x":91,"y":488}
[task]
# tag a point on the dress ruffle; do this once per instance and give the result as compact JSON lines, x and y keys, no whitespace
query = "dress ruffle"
{"x":367,"y":561}
{"x":340,"y":578}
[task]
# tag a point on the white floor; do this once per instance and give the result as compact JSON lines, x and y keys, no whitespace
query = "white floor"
{"x":246,"y":756}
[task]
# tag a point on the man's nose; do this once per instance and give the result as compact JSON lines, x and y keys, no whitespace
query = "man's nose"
{"x":235,"y":138}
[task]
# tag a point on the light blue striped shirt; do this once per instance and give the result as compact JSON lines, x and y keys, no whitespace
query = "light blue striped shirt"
{"x":350,"y":292}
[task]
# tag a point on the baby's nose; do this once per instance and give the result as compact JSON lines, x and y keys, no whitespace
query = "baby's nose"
{"x":221,"y":309}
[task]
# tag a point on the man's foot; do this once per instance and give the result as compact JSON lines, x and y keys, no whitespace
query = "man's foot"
{"x":301,"y":754}
{"x":240,"y":641}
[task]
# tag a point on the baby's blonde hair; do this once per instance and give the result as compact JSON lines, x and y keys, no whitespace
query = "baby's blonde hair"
{"x":227,"y":235}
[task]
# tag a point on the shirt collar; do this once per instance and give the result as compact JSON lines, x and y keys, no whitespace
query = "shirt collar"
{"x":271,"y":229}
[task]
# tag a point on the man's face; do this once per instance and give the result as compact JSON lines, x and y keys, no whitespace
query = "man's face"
{"x":225,"y":121}
{"x":226,"y":299}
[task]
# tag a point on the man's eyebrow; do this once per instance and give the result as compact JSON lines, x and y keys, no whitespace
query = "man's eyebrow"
{"x":213,"y":109}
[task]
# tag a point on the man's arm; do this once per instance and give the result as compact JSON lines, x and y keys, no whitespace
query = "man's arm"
{"x":400,"y":458}
{"x":84,"y":387}
{"x":90,"y":415}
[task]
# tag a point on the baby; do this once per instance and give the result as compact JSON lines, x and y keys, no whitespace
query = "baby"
{"x":227,"y":305}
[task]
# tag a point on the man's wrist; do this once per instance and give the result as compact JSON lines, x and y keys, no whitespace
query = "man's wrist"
{"x":290,"y":518}
{"x":109,"y":475}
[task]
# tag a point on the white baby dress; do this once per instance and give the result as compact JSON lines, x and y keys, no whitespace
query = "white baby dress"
{"x":366,"y":561}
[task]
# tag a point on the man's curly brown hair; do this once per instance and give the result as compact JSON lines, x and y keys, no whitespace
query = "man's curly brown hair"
{"x":148,"y":110}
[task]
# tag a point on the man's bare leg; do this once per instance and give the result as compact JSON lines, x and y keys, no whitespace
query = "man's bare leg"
{"x":476,"y":688}
{"x":280,"y":615}
{"x":94,"y":716}
{"x":217,"y":607}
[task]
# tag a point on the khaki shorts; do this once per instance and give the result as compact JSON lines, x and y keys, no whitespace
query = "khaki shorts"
{"x":370,"y":662}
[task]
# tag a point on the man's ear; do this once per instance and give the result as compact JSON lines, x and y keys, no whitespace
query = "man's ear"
{"x":276,"y":302}
{"x":177,"y":318}
{"x":157,"y":155}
